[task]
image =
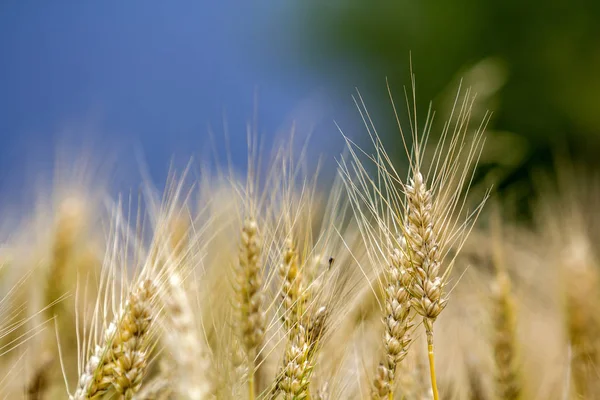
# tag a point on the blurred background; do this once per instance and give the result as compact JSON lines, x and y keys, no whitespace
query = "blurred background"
{"x":535,"y":64}
{"x":147,"y":82}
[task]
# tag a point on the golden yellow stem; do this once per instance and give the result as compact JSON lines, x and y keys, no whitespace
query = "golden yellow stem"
{"x":391,"y":395}
{"x":434,"y":388}
{"x":251,"y":384}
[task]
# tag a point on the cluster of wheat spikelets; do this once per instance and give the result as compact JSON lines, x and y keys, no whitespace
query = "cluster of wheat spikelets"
{"x":268,"y":288}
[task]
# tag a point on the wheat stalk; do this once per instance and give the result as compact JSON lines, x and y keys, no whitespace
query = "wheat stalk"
{"x":249,"y":298}
{"x":190,"y":353}
{"x":293,"y":379}
{"x":508,"y":377}
{"x":70,"y":222}
{"x":121,"y":360}
{"x":507,"y":374}
{"x":427,"y":288}
{"x":304,"y":322}
{"x":424,"y":214}
{"x":397,"y":323}
{"x":191,"y":364}
{"x":298,"y":364}
{"x":113,"y":356}
{"x":292,"y":286}
{"x":583,"y":328}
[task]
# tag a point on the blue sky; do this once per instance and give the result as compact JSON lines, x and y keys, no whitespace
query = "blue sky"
{"x":147,"y":77}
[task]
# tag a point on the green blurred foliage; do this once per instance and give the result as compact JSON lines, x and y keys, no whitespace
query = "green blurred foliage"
{"x":535,"y":64}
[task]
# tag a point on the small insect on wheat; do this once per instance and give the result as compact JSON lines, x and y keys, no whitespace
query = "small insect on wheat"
{"x":308,"y":280}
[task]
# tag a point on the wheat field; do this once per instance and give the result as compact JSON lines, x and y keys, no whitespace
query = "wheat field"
{"x":403,"y":281}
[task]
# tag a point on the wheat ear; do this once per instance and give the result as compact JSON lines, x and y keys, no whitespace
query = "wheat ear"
{"x":426,"y":215}
{"x":507,"y":374}
{"x":120,"y":361}
{"x":305,"y":329}
{"x":292,"y":286}
{"x":68,"y":227}
{"x":298,"y":364}
{"x":292,"y":381}
{"x":189,"y":351}
{"x":397,"y":323}
{"x":583,"y":324}
{"x":249,"y":298}
{"x":508,"y":377}
{"x":427,"y":289}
